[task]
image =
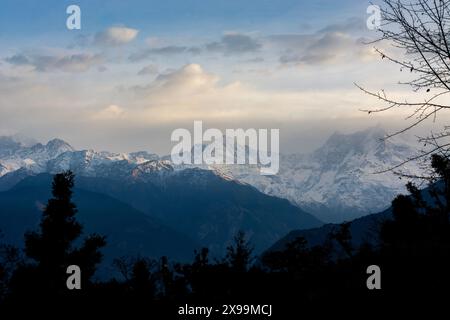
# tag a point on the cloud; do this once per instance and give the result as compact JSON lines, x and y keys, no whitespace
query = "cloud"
{"x":81,"y":40}
{"x":82,"y":110}
{"x":255,"y":60}
{"x":190,"y":79}
{"x":167,"y":50}
{"x":229,"y":44}
{"x":46,"y":63}
{"x":290,"y":42}
{"x":352,"y":24}
{"x":150,"y":69}
{"x":191,"y":93}
{"x":235,"y":43}
{"x":115,"y":36}
{"x":326,"y":48}
{"x":108,"y":113}
{"x":337,"y":43}
{"x":18,"y":59}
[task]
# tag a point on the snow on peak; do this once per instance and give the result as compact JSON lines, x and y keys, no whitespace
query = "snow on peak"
{"x":24,"y":140}
{"x":222,"y":172}
{"x":336,"y":182}
{"x":59,"y":144}
{"x":152,"y":167}
{"x":57,"y":155}
{"x":3,"y":170}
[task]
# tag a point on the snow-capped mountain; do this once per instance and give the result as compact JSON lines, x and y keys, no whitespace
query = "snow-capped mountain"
{"x":3,"y":169}
{"x":57,"y":155}
{"x":202,"y":204}
{"x":336,"y":182}
{"x":16,"y":154}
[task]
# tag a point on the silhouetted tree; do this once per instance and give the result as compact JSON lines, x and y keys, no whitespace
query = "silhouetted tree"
{"x":423,"y":215}
{"x":420,"y":29}
{"x":142,"y":280}
{"x":239,"y":253}
{"x":343,"y":237}
{"x":298,"y":258}
{"x":415,"y":244}
{"x":51,"y":249}
{"x":10,"y":258}
{"x":203,"y":277}
{"x":413,"y":252}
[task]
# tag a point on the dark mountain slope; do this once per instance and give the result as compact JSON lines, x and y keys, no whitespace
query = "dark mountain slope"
{"x":364,"y":229}
{"x":128,"y":231}
{"x":207,"y":207}
{"x":199,"y":203}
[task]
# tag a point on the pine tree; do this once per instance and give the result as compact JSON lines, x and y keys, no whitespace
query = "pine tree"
{"x":239,"y":253}
{"x":52,"y":247}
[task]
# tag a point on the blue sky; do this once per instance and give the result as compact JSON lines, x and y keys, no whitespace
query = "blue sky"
{"x":139,"y":69}
{"x":32,"y":18}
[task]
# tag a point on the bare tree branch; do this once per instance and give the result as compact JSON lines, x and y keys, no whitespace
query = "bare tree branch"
{"x":421,"y":29}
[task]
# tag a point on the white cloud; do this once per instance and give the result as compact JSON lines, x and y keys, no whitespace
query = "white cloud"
{"x":188,"y":80}
{"x":77,"y":62}
{"x":235,"y":43}
{"x":150,"y":69}
{"x":228,"y":44}
{"x":110,"y":112}
{"x":80,"y":109}
{"x":116,"y":36}
{"x":327,"y":48}
{"x":163,"y":51}
{"x":261,"y":95}
{"x":191,"y":93}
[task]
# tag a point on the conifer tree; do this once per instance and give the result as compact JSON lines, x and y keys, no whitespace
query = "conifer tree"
{"x":52,"y":247}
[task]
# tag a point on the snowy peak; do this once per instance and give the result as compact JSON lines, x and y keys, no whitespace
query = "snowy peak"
{"x":77,"y":161}
{"x":364,"y":148}
{"x":15,"y":142}
{"x":16,"y":153}
{"x":8,"y":146}
{"x":42,"y":153}
{"x":58,"y":146}
{"x":338,"y":182}
{"x":57,"y":155}
{"x":152,"y":167}
{"x":23,"y":140}
{"x":142,"y":157}
{"x":340,"y":146}
{"x":370,"y":134}
{"x":3,"y":170}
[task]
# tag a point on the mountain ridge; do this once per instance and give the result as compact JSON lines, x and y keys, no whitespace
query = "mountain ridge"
{"x":336,"y":182}
{"x":128,"y":231}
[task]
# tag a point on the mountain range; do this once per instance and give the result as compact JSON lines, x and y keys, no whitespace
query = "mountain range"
{"x":203,"y":206}
{"x":336,"y":182}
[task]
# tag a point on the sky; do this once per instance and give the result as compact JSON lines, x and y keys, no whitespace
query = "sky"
{"x":137,"y":70}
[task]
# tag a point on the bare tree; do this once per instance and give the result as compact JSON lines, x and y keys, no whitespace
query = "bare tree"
{"x":421,"y":29}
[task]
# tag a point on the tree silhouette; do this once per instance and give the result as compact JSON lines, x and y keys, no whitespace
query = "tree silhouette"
{"x":420,"y":29}
{"x":10,"y":257}
{"x":343,"y":237}
{"x":239,"y":253}
{"x":51,"y":249}
{"x":413,"y":253}
{"x":415,"y":244}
